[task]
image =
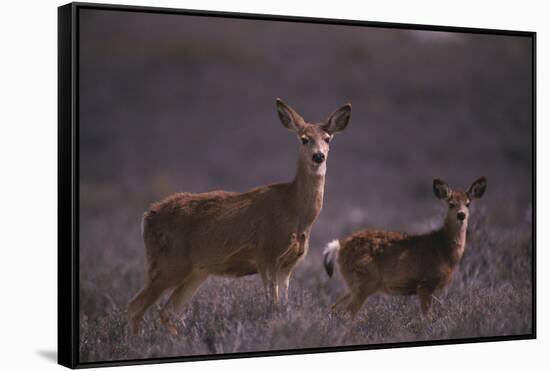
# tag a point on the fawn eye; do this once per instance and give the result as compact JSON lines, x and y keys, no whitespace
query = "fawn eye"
{"x":467,"y":204}
{"x":452,"y":206}
{"x":327,"y":139}
{"x":304,"y":140}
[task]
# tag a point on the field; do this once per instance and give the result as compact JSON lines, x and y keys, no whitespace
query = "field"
{"x":168,"y":106}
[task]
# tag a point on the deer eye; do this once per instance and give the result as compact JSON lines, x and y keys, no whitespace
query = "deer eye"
{"x":304,"y":140}
{"x":452,"y":205}
{"x":468,"y":204}
{"x":327,"y":139}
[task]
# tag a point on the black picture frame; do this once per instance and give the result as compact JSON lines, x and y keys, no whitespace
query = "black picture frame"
{"x":68,"y":182}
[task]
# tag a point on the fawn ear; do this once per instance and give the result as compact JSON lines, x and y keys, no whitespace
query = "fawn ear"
{"x":338,"y":120}
{"x":441,"y":189}
{"x":289,"y":118}
{"x":477,"y":189}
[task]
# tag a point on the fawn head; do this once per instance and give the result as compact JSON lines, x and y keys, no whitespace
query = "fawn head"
{"x":458,"y":202}
{"x":314,"y":139}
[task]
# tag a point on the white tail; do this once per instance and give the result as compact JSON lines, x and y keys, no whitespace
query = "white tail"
{"x":329,"y":256}
{"x":191,"y":236}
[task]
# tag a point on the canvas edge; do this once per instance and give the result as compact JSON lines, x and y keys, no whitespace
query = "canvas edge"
{"x":68,"y":340}
{"x":67,"y":263}
{"x":300,"y":19}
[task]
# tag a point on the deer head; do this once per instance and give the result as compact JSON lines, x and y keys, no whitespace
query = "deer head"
{"x":458,"y":202}
{"x":314,"y":139}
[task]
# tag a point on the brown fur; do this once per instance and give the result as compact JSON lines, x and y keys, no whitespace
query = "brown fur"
{"x":189,"y":237}
{"x":396,"y":263}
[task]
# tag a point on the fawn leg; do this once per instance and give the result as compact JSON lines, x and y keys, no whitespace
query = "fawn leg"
{"x":356,"y":302}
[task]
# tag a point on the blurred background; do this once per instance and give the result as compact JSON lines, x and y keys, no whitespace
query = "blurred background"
{"x":187,"y":103}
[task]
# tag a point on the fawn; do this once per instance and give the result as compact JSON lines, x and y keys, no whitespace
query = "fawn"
{"x":191,"y":236}
{"x":396,"y":263}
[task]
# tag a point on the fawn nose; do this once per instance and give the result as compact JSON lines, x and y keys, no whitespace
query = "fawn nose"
{"x":318,"y":157}
{"x":461,"y":215}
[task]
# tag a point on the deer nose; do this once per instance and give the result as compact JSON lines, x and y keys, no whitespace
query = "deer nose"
{"x":461,"y":215}
{"x":318,"y":157}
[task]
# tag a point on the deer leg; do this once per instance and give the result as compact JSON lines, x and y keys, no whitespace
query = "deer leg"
{"x":274,"y":289}
{"x":181,"y":294}
{"x":342,"y":302}
{"x":266,"y":281}
{"x":425,"y":295}
{"x":143,"y":300}
{"x":360,"y":293}
{"x":271,"y":287}
{"x":284,"y":282}
{"x":287,"y":261}
{"x":356,"y":302}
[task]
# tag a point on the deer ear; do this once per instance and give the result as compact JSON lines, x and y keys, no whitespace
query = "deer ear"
{"x":477,"y":189}
{"x":289,"y":118}
{"x":441,"y":189}
{"x":338,"y":120}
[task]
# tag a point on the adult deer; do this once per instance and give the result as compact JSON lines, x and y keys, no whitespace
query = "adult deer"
{"x":191,"y":236}
{"x":395,"y":263}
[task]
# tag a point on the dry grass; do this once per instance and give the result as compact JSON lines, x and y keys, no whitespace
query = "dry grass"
{"x":489,"y":296}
